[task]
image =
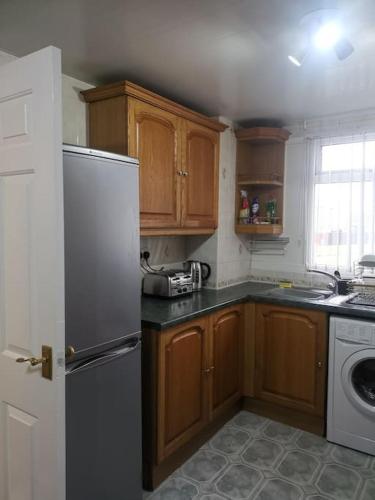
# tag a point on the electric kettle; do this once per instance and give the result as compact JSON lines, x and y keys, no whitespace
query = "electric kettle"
{"x":200,"y":272}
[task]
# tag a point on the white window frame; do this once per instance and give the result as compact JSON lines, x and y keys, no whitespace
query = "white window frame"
{"x":315,"y":175}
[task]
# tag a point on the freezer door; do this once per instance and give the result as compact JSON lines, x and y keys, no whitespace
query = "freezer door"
{"x":102,"y":282}
{"x":103,"y":426}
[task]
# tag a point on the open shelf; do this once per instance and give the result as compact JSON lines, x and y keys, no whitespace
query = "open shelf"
{"x":250,"y":182}
{"x":260,"y":172}
{"x":274,"y":229}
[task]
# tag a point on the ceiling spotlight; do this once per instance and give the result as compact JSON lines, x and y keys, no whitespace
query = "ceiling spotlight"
{"x":343,"y":48}
{"x":323,"y":29}
{"x":327,"y":36}
{"x":298,"y":58}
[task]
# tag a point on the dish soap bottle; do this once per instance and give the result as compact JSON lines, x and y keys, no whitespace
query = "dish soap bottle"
{"x":245,"y":210}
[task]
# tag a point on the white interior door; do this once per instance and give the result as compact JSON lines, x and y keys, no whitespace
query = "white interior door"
{"x":32,"y":408}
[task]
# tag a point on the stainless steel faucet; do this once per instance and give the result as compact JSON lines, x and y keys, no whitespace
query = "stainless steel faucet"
{"x":333,"y":285}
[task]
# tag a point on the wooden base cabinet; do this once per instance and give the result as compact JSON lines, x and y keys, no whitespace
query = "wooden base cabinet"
{"x":291,"y":358}
{"x":182,"y":406}
{"x":178,"y":151}
{"x":226,"y":355}
{"x":191,"y":380}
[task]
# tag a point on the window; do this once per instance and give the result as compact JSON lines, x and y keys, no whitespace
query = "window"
{"x":343,"y":199}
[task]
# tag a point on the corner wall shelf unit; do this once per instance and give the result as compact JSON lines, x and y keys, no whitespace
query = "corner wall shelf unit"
{"x":260,"y":172}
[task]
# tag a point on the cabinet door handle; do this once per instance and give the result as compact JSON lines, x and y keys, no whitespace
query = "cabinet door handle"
{"x":319,"y":364}
{"x":180,"y":172}
{"x":186,"y":173}
{"x":209,"y":370}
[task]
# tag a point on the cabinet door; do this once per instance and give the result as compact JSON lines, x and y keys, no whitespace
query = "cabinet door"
{"x":182,"y":385}
{"x":154,"y":138}
{"x":226,"y":368}
{"x":291,"y":346}
{"x":200,"y":180}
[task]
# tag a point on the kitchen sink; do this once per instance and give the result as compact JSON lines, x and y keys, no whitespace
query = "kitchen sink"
{"x":300,"y":293}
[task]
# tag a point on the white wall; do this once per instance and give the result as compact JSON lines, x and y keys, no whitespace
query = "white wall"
{"x":5,"y":58}
{"x":74,"y":111}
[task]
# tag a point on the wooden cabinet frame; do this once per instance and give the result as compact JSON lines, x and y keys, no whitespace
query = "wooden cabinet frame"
{"x":113,"y":127}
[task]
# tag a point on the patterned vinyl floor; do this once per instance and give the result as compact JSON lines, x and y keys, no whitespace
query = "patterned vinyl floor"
{"x":255,"y":458}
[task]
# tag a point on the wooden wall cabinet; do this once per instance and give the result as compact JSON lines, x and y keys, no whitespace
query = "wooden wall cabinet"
{"x":291,"y":358}
{"x":178,"y":151}
{"x":154,"y":138}
{"x":200,"y":166}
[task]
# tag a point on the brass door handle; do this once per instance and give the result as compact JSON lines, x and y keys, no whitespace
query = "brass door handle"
{"x":46,"y":361}
{"x":69,"y":352}
{"x":33,"y":361}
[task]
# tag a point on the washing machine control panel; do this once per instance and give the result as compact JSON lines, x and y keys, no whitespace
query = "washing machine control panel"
{"x":361,"y":332}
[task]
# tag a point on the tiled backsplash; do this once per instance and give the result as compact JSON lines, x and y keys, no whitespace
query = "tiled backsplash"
{"x":165,"y":249}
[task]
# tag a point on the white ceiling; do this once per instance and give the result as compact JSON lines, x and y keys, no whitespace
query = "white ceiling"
{"x":226,"y":57}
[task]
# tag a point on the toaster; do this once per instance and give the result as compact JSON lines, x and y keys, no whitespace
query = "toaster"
{"x":169,"y":283}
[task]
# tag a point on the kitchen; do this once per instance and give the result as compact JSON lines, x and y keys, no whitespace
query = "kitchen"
{"x":260,"y":384}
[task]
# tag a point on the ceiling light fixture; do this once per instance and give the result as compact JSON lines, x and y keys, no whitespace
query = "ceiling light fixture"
{"x":295,"y":60}
{"x":298,"y":58}
{"x":327,"y":36}
{"x":324,"y":31}
{"x":343,"y":48}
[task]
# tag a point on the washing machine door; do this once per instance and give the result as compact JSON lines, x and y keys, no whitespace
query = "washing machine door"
{"x":358,"y":380}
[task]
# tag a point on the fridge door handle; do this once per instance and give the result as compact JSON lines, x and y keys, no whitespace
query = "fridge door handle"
{"x":102,"y":359}
{"x":128,"y":349}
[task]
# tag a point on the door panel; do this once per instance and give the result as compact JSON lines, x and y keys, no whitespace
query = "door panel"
{"x":182,"y":398}
{"x":227,"y":363}
{"x":15,"y":191}
{"x":154,"y":140}
{"x":21,"y":429}
{"x":32,"y":439}
{"x":200,"y":156}
{"x":291,"y":357}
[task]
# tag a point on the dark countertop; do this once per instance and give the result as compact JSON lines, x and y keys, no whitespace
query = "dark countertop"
{"x":159,"y":314}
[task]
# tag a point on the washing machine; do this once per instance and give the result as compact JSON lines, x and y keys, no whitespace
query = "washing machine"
{"x":351,"y":384}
